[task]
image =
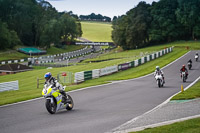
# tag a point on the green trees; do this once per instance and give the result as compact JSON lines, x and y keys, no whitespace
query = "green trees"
{"x":131,"y":31}
{"x":119,"y":30}
{"x":8,"y":38}
{"x":188,"y":14}
{"x":138,"y":24}
{"x":164,"y":26}
{"x":163,"y":21}
{"x":36,"y":23}
{"x":94,"y":17}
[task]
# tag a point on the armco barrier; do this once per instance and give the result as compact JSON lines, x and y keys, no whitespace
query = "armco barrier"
{"x":6,"y":86}
{"x":82,"y":76}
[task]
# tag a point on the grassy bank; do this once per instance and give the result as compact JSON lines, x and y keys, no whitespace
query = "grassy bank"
{"x":97,"y":32}
{"x":191,"y":93}
{"x":188,"y":126}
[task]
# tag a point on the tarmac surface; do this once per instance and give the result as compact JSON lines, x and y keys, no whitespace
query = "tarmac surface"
{"x":173,"y":111}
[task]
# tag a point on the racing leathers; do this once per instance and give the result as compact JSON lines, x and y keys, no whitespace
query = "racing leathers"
{"x":184,"y":69}
{"x":159,"y":72}
{"x":55,"y":84}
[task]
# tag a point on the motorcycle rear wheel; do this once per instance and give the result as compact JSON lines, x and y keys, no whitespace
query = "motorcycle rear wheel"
{"x":51,"y":107}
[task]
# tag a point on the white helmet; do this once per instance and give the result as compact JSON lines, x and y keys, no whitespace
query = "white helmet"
{"x":157,"y":67}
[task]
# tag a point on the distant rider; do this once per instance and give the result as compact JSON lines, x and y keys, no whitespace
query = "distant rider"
{"x":190,"y":61}
{"x":184,"y":69}
{"x":50,"y":80}
{"x":197,"y":54}
{"x":159,"y":71}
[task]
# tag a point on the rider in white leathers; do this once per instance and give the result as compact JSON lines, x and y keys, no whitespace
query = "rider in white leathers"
{"x":159,"y":71}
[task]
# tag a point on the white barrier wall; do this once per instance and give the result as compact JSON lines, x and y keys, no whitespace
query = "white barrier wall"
{"x":164,"y":51}
{"x":79,"y":77}
{"x":157,"y":54}
{"x":142,"y":60}
{"x":148,"y":58}
{"x":161,"y":53}
{"x":96,"y":73}
{"x":153,"y":56}
{"x":108,"y":70}
{"x":136,"y":62}
{"x":6,"y":86}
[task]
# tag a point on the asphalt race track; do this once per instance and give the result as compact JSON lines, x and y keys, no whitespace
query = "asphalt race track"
{"x":98,"y":109}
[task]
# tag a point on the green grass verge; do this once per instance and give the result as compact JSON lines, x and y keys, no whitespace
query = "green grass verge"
{"x":190,"y":93}
{"x":188,"y":126}
{"x":12,"y":55}
{"x":97,"y":32}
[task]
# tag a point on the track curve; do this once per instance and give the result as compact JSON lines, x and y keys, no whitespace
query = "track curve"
{"x":98,"y":109}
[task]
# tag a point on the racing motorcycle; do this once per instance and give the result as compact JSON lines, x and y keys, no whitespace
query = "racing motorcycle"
{"x":189,"y":65}
{"x":183,"y":76}
{"x":196,"y":57}
{"x":159,"y":80}
{"x":55,"y":101}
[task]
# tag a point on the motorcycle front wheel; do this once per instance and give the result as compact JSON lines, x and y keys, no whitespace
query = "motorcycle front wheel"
{"x":159,"y":83}
{"x":70,"y":103}
{"x":51,"y":107}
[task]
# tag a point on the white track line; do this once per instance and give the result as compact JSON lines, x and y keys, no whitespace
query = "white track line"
{"x":158,"y":124}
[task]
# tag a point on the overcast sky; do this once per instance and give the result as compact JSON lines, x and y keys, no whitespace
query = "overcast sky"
{"x":108,"y":8}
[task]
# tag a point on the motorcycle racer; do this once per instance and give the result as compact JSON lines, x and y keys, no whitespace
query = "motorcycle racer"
{"x":184,"y":69}
{"x":159,"y":71}
{"x":190,"y":61}
{"x":50,"y":80}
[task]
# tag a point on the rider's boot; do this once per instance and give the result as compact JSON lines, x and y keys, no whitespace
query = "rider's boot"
{"x":64,"y":96}
{"x":163,"y":80}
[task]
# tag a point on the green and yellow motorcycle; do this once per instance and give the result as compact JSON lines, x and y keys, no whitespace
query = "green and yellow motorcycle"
{"x":55,"y":101}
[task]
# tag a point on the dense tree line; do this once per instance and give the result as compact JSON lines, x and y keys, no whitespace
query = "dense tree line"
{"x":94,"y":17}
{"x":35,"y":23}
{"x":163,"y":21}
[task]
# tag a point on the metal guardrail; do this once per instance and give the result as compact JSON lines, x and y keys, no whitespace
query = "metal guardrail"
{"x":6,"y":86}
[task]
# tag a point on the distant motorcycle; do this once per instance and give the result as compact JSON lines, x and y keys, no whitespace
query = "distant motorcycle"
{"x":183,"y":76}
{"x":159,"y":80}
{"x":189,"y":65}
{"x":55,"y":101}
{"x":196,"y":57}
